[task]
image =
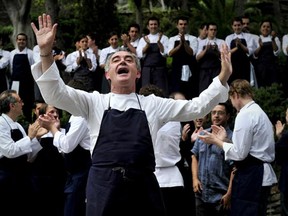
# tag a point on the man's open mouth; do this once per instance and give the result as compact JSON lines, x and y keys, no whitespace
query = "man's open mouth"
{"x":123,"y":71}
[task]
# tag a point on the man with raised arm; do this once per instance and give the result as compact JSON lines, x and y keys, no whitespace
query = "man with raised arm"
{"x":123,"y":126}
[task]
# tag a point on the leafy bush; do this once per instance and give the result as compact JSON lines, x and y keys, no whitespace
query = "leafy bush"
{"x":273,"y":101}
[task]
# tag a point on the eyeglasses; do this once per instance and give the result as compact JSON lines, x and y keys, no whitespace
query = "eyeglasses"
{"x":218,"y":112}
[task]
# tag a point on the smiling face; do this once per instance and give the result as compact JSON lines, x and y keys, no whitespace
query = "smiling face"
{"x":153,"y":26}
{"x":265,"y":28}
{"x":219,"y":116}
{"x":133,"y":33}
{"x":237,"y":27}
{"x":21,"y":42}
{"x":83,"y":43}
{"x":113,"y":41}
{"x":122,"y":70}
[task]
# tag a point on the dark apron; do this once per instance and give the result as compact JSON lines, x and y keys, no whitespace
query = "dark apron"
{"x":154,"y":69}
{"x":240,"y":63}
{"x":121,"y":179}
{"x":247,"y":187}
{"x":181,"y":58}
{"x":48,"y":180}
{"x":77,"y":164}
{"x":84,"y":75}
{"x":22,"y":73}
{"x":209,"y":67}
{"x":266,"y":66}
{"x":15,"y":184}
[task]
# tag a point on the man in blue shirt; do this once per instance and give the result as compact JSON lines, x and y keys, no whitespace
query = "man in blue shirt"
{"x":210,"y":171}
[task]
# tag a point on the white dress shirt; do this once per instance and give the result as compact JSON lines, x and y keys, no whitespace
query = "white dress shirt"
{"x":71,"y":61}
{"x":5,"y":60}
{"x":208,"y":41}
{"x":11,"y":149}
{"x":253,"y":134}
{"x":268,"y":39}
{"x":153,"y":39}
{"x":167,"y":154}
{"x":247,"y":37}
{"x":193,"y":42}
{"x":78,"y":134}
{"x":91,"y":106}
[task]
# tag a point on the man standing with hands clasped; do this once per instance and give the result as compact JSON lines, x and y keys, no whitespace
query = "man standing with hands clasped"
{"x":123,"y":126}
{"x":252,"y":152}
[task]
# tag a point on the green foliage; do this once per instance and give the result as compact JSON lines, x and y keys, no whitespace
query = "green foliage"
{"x":220,"y":12}
{"x":5,"y":32}
{"x":100,"y":17}
{"x":64,"y":118}
{"x":273,"y":101}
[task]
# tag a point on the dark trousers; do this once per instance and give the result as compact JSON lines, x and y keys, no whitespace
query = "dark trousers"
{"x":209,"y":209}
{"x":156,"y":76}
{"x":284,"y":204}
{"x":173,"y":200}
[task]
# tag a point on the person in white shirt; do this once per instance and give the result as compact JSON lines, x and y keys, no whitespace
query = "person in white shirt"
{"x":93,"y":40}
{"x":152,"y":50}
{"x":167,"y":156}
{"x":266,"y":54}
{"x":208,"y":55}
{"x":202,"y":32}
{"x":241,"y":46}
{"x":22,"y":81}
{"x":252,"y":150}
{"x":182,"y":48}
{"x":4,"y":63}
{"x":123,"y":126}
{"x":74,"y":144}
{"x":131,"y":40}
{"x":82,"y":64}
{"x":113,"y":41}
{"x":246,"y":29}
{"x":17,"y":151}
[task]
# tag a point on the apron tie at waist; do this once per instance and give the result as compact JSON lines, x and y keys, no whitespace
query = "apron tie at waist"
{"x":248,"y":161}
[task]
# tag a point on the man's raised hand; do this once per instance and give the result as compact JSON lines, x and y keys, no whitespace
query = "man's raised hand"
{"x":45,"y":35}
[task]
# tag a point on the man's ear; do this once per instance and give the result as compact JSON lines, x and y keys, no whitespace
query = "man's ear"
{"x":138,"y":75}
{"x":107,"y":75}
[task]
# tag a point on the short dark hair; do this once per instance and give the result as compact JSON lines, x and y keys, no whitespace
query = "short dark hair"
{"x":228,"y":107}
{"x":153,"y":18}
{"x":202,"y":25}
{"x":22,"y":34}
{"x":237,"y":19}
{"x":94,"y":36}
{"x":134,"y":25}
{"x":151,"y":89}
{"x":6,"y":97}
{"x":266,"y":20}
{"x":112,"y":33}
{"x":212,"y":23}
{"x":182,"y":18}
